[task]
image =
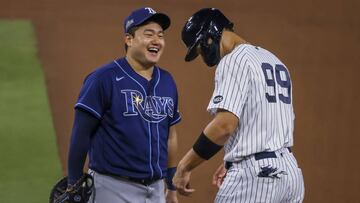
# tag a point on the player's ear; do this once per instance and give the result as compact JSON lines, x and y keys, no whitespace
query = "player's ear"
{"x":128,"y":39}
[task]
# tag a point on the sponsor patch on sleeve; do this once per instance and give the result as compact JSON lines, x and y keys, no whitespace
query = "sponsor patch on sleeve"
{"x":217,"y":99}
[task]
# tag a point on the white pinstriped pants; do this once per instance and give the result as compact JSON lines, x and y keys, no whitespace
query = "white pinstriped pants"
{"x":242,"y":184}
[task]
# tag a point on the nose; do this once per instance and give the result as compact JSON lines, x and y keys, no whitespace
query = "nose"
{"x":155,"y":40}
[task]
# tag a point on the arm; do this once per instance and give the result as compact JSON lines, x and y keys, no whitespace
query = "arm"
{"x":77,"y":185}
{"x":84,"y":126}
{"x":172,"y":147}
{"x":172,"y":162}
{"x":217,"y":131}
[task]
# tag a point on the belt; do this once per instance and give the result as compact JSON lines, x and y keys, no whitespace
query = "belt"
{"x":145,"y":182}
{"x":142,"y":181}
{"x":258,"y":156}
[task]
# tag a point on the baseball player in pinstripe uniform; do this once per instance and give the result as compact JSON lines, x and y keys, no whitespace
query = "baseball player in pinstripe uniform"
{"x":125,"y":118}
{"x":253,"y":117}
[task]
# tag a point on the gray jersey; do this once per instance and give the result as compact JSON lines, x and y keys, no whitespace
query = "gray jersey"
{"x":254,"y":85}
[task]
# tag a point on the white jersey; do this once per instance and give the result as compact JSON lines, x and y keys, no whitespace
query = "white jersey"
{"x":254,"y":85}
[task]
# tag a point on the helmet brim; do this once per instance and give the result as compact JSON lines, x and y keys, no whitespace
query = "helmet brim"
{"x":193,"y":49}
{"x":192,"y":53}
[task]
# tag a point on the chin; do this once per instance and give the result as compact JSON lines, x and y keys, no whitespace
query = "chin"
{"x":150,"y":62}
{"x":153,"y":60}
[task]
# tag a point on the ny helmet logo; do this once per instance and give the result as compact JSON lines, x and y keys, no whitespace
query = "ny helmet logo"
{"x":150,"y":10}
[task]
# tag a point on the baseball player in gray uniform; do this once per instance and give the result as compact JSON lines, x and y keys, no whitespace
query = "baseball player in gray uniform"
{"x":253,"y":117}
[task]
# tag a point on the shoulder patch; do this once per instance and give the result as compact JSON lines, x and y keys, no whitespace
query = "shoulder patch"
{"x":217,"y":99}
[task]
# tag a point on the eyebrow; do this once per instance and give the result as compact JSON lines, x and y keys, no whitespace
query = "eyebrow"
{"x":153,"y":31}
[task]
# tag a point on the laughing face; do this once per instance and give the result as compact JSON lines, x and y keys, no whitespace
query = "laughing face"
{"x":146,"y":45}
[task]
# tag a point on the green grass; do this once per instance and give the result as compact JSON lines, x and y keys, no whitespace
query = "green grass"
{"x":29,"y":164}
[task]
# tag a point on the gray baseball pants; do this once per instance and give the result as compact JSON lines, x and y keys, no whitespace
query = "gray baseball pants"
{"x":108,"y":189}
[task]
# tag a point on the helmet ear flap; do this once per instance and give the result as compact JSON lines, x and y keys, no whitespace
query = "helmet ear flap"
{"x":208,"y":41}
{"x":210,"y":52}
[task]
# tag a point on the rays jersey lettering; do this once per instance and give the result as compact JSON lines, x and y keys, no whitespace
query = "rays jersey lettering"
{"x":151,"y":108}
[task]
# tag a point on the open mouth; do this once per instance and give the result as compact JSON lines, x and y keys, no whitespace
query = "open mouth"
{"x":153,"y":50}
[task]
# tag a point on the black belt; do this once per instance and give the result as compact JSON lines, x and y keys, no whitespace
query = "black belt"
{"x":142,"y":181}
{"x":145,"y":182}
{"x":258,"y":156}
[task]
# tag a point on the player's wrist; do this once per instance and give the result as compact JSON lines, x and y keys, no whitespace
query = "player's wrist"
{"x":168,"y":179}
{"x":73,"y":179}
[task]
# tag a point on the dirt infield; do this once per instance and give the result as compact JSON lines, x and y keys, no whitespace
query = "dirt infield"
{"x":317,"y":41}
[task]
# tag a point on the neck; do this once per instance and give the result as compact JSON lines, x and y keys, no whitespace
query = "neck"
{"x":142,"y":69}
{"x":229,"y":41}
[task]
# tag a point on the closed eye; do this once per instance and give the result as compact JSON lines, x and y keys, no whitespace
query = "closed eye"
{"x":148,"y":34}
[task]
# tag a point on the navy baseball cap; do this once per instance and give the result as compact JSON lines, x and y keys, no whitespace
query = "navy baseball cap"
{"x":145,"y":14}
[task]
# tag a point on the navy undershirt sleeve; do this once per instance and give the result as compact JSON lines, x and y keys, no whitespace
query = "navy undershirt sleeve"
{"x":84,"y":126}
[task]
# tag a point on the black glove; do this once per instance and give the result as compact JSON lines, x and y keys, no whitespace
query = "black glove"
{"x":80,"y":192}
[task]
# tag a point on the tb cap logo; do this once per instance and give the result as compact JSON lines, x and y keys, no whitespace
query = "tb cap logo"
{"x":142,"y":15}
{"x":131,"y":21}
{"x":151,"y":11}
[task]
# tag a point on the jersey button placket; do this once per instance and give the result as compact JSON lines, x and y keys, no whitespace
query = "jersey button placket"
{"x":152,"y":136}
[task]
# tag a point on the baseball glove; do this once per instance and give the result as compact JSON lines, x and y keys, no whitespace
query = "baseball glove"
{"x":80,"y":192}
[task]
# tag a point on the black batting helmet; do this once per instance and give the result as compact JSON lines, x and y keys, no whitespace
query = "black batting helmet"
{"x":205,"y":24}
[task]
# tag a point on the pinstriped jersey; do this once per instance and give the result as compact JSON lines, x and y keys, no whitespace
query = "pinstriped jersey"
{"x":254,"y":85}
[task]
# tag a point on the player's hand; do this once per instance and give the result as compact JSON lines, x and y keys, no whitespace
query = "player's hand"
{"x":219,"y":175}
{"x":171,"y":196}
{"x":181,"y":181}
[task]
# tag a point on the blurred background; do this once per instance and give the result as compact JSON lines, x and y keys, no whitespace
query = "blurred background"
{"x":47,"y":47}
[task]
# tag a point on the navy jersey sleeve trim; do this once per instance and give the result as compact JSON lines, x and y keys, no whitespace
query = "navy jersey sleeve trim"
{"x":88,"y":109}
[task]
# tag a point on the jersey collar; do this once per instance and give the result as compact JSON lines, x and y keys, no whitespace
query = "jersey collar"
{"x":130,"y":71}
